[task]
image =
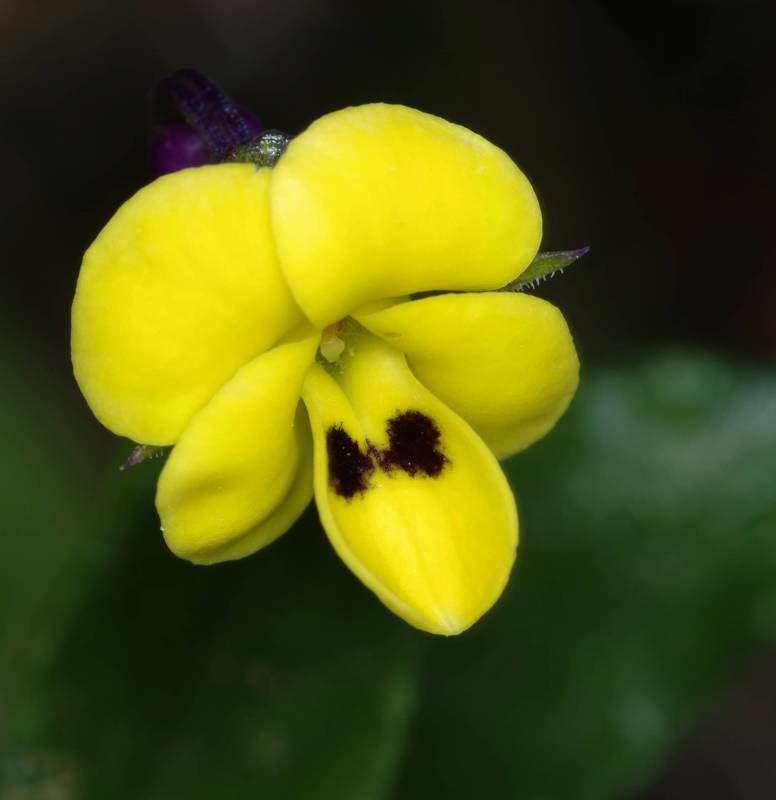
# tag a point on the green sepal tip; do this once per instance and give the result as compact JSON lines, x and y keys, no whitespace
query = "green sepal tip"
{"x":544,"y":266}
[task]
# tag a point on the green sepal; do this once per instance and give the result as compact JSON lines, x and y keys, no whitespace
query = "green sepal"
{"x":544,"y":266}
{"x":141,"y":453}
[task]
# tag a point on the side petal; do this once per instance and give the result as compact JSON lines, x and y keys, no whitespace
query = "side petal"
{"x":236,"y":480}
{"x":505,"y":362}
{"x":382,"y":200}
{"x":410,"y":497}
{"x":180,"y":289}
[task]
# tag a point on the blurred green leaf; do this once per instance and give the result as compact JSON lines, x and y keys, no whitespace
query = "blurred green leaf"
{"x":128,"y":673}
{"x":275,"y":674}
{"x":61,"y":524}
{"x":646,"y":577}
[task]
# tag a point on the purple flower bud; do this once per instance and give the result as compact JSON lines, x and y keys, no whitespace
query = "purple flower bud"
{"x":201,"y":124}
{"x":251,"y":121}
{"x":175,"y":147}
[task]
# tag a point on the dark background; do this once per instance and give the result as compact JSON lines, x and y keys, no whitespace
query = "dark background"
{"x":648,"y":130}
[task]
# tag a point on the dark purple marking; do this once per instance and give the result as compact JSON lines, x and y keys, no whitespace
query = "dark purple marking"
{"x":413,"y":445}
{"x":349,"y":468}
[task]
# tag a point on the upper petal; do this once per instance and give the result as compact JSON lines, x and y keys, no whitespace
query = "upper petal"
{"x":410,"y":497}
{"x":180,"y":289}
{"x":234,"y":481}
{"x":505,"y":362}
{"x":382,"y":200}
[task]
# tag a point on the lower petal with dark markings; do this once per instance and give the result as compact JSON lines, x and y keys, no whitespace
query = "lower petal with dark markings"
{"x":412,"y":499}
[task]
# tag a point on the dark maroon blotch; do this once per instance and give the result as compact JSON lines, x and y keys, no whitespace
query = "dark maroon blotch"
{"x":349,"y":468}
{"x":413,"y":445}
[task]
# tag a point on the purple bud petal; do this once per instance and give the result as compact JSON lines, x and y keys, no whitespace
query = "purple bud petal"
{"x":177,"y":146}
{"x":189,"y":96}
{"x":251,"y":121}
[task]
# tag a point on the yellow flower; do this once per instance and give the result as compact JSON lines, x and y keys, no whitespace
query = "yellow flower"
{"x":219,"y":296}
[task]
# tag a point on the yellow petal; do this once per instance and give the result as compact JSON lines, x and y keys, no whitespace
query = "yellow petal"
{"x":236,"y":479}
{"x":504,"y":361}
{"x":427,"y":524}
{"x":381,"y":200}
{"x":180,"y":289}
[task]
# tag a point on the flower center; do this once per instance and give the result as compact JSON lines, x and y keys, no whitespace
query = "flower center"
{"x":332,"y":345}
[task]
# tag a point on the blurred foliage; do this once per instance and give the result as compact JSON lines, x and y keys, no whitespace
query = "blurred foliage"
{"x":646,"y":578}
